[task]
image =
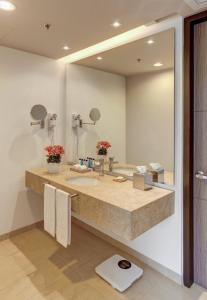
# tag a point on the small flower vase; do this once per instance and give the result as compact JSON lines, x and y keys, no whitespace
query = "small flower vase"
{"x":102,"y":152}
{"x":53,"y":168}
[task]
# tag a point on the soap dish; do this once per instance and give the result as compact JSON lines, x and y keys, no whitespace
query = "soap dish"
{"x":120,"y":179}
{"x":79,"y":170}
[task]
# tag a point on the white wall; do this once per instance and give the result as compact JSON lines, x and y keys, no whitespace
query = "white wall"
{"x":88,"y":88}
{"x":25,"y":80}
{"x":150,"y":110}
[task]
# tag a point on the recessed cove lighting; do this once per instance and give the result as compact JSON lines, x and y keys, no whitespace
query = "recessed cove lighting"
{"x":150,"y":42}
{"x":66,"y":47}
{"x":6,"y":5}
{"x":158,"y":64}
{"x":99,"y":58}
{"x":116,"y":24}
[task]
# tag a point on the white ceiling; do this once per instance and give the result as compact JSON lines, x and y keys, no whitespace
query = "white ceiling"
{"x":78,"y":23}
{"x":197,"y":4}
{"x":123,"y":60}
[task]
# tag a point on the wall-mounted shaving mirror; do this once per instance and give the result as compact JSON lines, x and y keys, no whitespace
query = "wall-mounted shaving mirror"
{"x":95,"y":115}
{"x":38,"y":113}
{"x":133,"y":86}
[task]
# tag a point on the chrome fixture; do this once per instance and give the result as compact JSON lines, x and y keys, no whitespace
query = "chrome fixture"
{"x":94,"y":115}
{"x":111,"y":162}
{"x":52,"y":121}
{"x":201,"y":175}
{"x":77,"y":121}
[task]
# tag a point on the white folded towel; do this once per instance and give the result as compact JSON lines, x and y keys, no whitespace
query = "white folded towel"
{"x":63,"y":218}
{"x":156,"y":166}
{"x":80,"y":167}
{"x":141,"y":169}
{"x":49,"y":209}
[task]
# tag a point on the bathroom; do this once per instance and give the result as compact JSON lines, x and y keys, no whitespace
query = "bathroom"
{"x":124,"y":86}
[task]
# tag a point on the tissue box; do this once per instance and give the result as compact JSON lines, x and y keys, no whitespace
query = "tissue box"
{"x":140,"y":181}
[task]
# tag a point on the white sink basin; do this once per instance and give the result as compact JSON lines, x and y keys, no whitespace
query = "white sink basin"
{"x":82,"y":180}
{"x":124,"y":171}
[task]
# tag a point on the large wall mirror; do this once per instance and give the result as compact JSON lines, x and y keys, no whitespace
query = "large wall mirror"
{"x":133,"y":87}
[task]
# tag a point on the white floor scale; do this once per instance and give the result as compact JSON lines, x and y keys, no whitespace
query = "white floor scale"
{"x":119,"y":272}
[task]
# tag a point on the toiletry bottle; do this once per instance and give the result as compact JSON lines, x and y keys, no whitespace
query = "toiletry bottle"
{"x":85,"y":162}
{"x":89,"y":162}
{"x":81,"y":161}
{"x":93,"y":162}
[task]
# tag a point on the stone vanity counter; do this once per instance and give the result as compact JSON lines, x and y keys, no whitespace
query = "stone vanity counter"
{"x":113,"y":206}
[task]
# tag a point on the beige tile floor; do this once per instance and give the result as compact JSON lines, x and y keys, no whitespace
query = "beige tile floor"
{"x":203,"y":296}
{"x":34,"y":267}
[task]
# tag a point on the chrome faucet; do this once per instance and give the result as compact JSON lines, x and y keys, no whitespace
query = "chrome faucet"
{"x":111,"y":162}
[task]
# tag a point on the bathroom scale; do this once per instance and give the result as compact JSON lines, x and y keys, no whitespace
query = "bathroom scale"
{"x":119,"y":272}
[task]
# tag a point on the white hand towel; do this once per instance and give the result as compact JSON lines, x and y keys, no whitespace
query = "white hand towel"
{"x":49,"y":209}
{"x":63,"y":218}
{"x":142,"y":169}
{"x":156,"y":166}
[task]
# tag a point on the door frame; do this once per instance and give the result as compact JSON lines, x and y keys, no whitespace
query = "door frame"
{"x":188,"y":167}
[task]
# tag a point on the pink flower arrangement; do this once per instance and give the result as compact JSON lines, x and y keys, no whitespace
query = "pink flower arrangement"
{"x":54,"y":153}
{"x":56,"y":149}
{"x":102,"y":147}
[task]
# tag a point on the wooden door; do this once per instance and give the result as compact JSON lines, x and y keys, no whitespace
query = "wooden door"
{"x":200,"y":154}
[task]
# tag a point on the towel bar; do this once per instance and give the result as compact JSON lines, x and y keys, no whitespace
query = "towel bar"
{"x":72,"y":196}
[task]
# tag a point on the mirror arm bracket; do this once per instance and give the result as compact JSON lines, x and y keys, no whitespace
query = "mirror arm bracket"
{"x":41,"y":123}
{"x":85,"y":123}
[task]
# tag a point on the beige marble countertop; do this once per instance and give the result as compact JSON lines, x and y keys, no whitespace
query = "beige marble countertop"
{"x":122,"y":195}
{"x":113,"y":206}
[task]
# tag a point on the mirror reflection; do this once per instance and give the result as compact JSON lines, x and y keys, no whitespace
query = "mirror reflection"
{"x":133,"y":88}
{"x":95,"y":115}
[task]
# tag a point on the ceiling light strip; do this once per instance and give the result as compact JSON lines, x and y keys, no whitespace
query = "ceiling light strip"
{"x":121,"y":39}
{"x":7,"y":5}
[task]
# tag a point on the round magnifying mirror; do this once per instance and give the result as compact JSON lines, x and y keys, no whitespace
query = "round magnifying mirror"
{"x":95,"y":114}
{"x":38,"y":112}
